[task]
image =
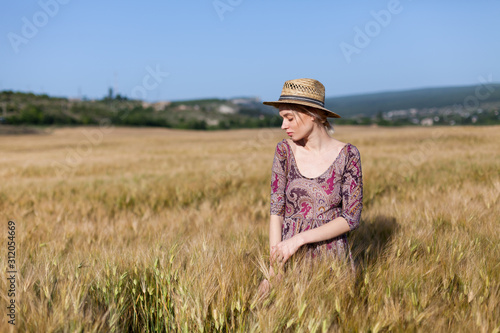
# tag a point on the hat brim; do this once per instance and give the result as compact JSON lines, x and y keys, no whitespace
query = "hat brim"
{"x":276,"y":104}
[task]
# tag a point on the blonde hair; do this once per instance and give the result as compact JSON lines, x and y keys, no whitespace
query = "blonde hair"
{"x":320,"y":116}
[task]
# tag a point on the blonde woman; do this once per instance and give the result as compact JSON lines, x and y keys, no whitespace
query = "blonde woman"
{"x":316,"y":181}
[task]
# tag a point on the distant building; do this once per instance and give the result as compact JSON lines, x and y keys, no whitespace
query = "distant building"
{"x":427,"y":122}
{"x":226,"y":109}
{"x":397,"y":114}
{"x":212,"y":122}
{"x":160,"y":106}
{"x":247,"y":100}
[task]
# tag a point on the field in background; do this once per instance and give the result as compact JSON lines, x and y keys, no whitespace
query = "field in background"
{"x":150,"y":229}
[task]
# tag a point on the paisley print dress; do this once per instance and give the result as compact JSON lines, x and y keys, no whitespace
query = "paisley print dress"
{"x":307,"y":203}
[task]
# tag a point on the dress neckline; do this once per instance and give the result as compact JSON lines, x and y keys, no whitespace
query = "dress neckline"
{"x":313,"y":178}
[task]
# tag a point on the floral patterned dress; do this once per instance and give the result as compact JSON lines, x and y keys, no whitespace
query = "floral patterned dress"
{"x":307,"y":203}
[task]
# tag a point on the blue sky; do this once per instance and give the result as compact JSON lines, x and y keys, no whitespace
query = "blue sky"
{"x":244,"y":48}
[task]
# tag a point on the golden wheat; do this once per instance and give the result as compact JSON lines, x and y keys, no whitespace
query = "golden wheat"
{"x":145,"y":230}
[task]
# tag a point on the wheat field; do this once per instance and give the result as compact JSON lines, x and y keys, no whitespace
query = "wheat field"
{"x":142,"y":230}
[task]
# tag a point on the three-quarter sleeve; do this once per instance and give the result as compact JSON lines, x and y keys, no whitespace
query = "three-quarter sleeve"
{"x":278,"y":180}
{"x":352,"y":188}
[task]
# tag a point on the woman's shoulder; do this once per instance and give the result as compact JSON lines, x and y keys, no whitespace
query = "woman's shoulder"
{"x":352,"y":148}
{"x":348,"y":148}
{"x":352,"y":153}
{"x":282,"y":144}
{"x":282,"y":148}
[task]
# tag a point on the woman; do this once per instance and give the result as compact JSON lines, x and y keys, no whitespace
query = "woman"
{"x":316,"y":185}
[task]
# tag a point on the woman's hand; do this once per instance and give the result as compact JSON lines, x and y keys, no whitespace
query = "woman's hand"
{"x":264,"y":288}
{"x":282,"y":251}
{"x":265,"y":285}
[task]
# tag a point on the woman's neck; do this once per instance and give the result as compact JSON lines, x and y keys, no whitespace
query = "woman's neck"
{"x":316,"y":142}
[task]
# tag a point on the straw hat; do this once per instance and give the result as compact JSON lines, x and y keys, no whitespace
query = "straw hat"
{"x":306,"y":92}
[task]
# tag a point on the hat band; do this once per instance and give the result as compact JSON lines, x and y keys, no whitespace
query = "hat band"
{"x":302,"y":98}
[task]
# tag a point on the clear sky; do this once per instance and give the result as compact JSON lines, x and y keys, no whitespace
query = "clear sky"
{"x":182,"y":49}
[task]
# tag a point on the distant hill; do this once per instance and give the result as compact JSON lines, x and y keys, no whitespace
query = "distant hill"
{"x":370,"y":104}
{"x":431,"y":106}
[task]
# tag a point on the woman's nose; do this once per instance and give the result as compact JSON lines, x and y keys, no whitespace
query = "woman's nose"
{"x":284,"y":125}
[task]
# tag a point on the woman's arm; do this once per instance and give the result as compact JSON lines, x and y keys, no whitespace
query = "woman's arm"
{"x":277,"y":209}
{"x":275,"y":224}
{"x":284,"y":250}
{"x":329,"y":230}
{"x":278,"y":188}
{"x":278,"y":185}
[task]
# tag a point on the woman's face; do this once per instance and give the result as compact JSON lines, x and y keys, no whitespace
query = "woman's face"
{"x":296,"y":124}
